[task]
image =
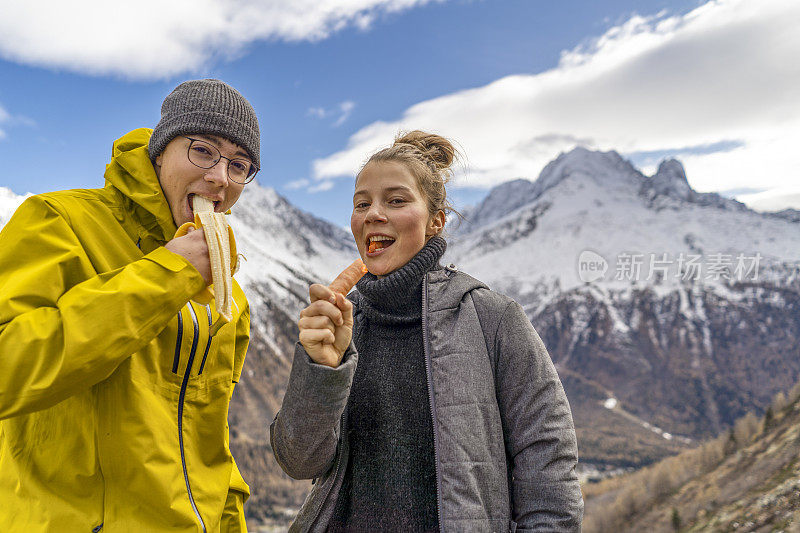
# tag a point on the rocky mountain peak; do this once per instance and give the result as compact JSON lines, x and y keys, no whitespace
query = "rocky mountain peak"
{"x":671,"y":169}
{"x":607,"y":170}
{"x":670,"y":179}
{"x":581,"y":157}
{"x":605,"y":167}
{"x":500,"y":201}
{"x":669,"y":183}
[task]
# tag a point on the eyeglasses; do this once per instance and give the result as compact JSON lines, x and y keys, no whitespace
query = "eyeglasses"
{"x":206,"y":155}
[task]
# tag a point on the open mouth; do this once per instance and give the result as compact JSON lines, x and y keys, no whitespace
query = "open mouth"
{"x":190,"y":200}
{"x":376,"y":244}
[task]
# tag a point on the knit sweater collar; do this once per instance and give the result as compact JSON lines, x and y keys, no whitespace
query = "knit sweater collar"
{"x":398,"y":294}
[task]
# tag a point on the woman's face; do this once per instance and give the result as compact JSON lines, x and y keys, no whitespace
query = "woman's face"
{"x":391,"y":211}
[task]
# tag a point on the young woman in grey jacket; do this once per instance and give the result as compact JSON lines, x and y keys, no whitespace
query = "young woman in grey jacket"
{"x":424,"y":401}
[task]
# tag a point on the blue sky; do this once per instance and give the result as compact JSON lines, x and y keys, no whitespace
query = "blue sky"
{"x":514,"y":82}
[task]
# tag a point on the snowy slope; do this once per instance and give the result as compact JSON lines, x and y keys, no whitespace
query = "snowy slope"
{"x":8,"y":204}
{"x":598,"y":201}
{"x":286,"y":249}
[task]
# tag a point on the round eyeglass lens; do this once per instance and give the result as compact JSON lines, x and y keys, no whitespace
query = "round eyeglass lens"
{"x":202,"y":154}
{"x":239,"y":170}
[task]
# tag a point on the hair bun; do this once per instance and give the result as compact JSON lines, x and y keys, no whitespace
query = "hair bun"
{"x":428,"y":158}
{"x":437,"y":150}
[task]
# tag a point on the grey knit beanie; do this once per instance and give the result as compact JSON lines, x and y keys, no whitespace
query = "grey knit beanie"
{"x":207,"y":106}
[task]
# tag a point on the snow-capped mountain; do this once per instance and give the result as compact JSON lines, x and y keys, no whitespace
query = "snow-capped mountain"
{"x":663,"y":308}
{"x":599,"y":202}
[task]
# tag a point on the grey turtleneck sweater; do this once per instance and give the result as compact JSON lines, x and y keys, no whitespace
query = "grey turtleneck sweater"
{"x":390,"y":483}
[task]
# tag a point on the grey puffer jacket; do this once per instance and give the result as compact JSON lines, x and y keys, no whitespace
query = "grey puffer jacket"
{"x":504,"y":438}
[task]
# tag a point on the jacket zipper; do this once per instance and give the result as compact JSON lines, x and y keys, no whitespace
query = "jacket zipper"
{"x":429,"y":374}
{"x":208,"y":343}
{"x":181,"y":398}
{"x":178,"y":343}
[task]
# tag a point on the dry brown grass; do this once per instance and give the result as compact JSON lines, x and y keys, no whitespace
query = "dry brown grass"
{"x":625,"y":496}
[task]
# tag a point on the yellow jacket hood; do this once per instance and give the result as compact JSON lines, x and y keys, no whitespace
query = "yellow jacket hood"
{"x":131,"y":173}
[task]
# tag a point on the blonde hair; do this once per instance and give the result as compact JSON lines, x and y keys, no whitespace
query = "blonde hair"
{"x":428,"y":157}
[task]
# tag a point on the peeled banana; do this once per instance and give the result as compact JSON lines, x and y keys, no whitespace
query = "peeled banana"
{"x":222,"y":254}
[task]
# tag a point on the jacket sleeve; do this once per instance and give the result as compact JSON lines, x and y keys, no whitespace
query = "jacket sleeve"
{"x":538,"y":428}
{"x":305,"y":432}
{"x":63,"y":327}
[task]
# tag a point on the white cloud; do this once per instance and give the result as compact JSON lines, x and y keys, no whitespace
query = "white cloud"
{"x":157,"y":39}
{"x":773,"y":200}
{"x":725,"y":73}
{"x":297,"y":184}
{"x":341,"y":111}
{"x":316,"y":112}
{"x":345,"y":109}
{"x":4,"y":117}
{"x":22,"y":120}
{"x":321,"y":186}
{"x":9,"y":120}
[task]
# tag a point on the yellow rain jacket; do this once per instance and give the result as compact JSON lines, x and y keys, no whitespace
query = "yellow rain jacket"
{"x":113,"y":395}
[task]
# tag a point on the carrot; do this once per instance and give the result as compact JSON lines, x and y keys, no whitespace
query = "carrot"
{"x":373,"y":246}
{"x":345,"y":281}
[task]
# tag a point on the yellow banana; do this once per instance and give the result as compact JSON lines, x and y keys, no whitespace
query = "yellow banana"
{"x":222,"y":255}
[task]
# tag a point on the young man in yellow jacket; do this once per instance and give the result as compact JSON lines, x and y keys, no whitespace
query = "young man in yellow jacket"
{"x":114,"y":393}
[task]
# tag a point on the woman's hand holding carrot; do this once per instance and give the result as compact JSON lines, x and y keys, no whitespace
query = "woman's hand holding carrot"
{"x":326,"y":326}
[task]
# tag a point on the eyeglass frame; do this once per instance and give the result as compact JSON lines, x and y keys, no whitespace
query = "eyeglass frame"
{"x":220,"y":158}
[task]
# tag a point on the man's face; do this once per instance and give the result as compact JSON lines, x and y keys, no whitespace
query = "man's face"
{"x":181,"y":179}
